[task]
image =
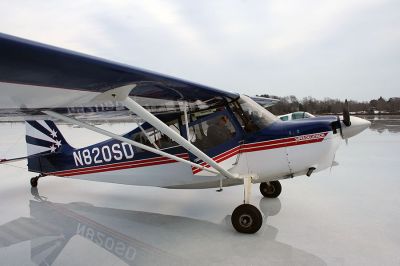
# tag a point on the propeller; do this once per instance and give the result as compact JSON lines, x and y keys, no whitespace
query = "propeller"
{"x":349,"y":128}
{"x":346,"y":114}
{"x":346,"y":118}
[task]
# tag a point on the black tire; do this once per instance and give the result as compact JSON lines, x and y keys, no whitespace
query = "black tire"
{"x":273,"y":190}
{"x":246,"y":219}
{"x":34,"y":182}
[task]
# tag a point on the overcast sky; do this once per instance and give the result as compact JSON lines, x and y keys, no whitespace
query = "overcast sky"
{"x":337,"y":49}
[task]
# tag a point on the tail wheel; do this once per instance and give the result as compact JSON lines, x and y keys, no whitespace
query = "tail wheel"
{"x":246,"y":219}
{"x":34,"y":181}
{"x":271,"y":190}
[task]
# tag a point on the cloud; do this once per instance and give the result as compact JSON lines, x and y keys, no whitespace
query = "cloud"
{"x":319,"y":48}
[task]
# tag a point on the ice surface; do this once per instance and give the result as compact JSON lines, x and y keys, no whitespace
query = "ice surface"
{"x":348,"y":215}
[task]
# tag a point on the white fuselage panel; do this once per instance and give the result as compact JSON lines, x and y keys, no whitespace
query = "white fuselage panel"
{"x":269,"y":164}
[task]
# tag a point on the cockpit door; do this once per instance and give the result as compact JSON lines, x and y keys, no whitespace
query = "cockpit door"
{"x":217,"y":135}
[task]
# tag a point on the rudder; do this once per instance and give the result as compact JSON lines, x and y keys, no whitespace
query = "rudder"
{"x":43,"y":138}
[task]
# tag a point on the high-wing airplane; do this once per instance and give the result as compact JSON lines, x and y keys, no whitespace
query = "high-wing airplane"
{"x":186,"y":135}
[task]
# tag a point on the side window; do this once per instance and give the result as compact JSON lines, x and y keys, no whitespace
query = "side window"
{"x":284,"y":118}
{"x":298,"y":115}
{"x":245,"y":118}
{"x":212,"y":132}
{"x":166,"y":142}
{"x":154,"y":138}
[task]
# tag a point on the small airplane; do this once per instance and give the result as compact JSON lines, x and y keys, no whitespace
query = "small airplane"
{"x":186,"y":135}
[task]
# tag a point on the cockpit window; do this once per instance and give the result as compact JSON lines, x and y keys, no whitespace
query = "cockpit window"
{"x":284,"y":118}
{"x":211,"y":130}
{"x":154,"y":138}
{"x":251,"y":115}
{"x":298,"y":115}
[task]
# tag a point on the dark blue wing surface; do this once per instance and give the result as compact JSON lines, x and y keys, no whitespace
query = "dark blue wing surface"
{"x":28,"y":62}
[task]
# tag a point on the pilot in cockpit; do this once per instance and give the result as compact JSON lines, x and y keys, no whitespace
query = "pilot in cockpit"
{"x":218,"y":131}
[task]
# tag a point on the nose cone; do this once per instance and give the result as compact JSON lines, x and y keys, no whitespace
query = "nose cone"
{"x":357,"y":126}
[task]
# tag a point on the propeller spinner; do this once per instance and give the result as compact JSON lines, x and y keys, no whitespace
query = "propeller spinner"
{"x":350,"y":126}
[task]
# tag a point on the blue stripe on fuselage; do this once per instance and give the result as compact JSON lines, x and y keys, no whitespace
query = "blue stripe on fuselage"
{"x":284,"y":129}
{"x":107,"y":152}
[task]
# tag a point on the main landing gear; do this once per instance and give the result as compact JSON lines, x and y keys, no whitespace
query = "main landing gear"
{"x":271,"y":189}
{"x":34,"y":180}
{"x":246,"y":218}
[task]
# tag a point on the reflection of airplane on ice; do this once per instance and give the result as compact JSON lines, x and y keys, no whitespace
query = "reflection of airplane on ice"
{"x":142,"y":238}
{"x":187,"y":135}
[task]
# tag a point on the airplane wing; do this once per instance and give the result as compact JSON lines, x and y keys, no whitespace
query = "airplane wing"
{"x":35,"y":77}
{"x":264,"y":101}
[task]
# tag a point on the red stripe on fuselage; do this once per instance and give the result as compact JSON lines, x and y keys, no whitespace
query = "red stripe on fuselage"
{"x":113,"y":168}
{"x":119,"y":166}
{"x":266,"y":145}
{"x":250,"y":147}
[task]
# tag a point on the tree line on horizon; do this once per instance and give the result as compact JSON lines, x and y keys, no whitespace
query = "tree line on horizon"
{"x":289,"y":104}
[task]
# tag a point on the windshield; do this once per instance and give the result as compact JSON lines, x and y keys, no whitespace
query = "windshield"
{"x":254,"y":116}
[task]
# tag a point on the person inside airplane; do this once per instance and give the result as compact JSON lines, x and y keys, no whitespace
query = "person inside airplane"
{"x":218,"y":131}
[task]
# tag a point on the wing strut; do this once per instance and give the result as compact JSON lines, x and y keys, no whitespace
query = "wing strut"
{"x":186,"y":121}
{"x":123,"y":139}
{"x":121,"y":95}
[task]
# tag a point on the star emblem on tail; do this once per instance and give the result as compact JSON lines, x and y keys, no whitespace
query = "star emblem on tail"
{"x":43,"y":137}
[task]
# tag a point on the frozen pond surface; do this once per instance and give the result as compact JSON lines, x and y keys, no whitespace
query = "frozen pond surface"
{"x":347,"y":216}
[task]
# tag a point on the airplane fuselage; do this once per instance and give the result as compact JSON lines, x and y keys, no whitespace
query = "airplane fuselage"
{"x":281,"y":150}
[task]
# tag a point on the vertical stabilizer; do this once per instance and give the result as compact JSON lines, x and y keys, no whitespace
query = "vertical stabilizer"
{"x":43,"y":140}
{"x":43,"y":137}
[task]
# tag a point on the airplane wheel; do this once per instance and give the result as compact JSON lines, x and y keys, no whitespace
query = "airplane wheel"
{"x":34,"y":182}
{"x":246,"y":219}
{"x":273,"y":190}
